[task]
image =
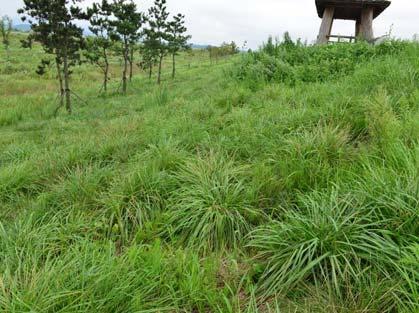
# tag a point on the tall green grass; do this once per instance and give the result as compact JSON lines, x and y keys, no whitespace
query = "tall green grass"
{"x":212,"y":209}
{"x":282,"y":180}
{"x":327,"y":239}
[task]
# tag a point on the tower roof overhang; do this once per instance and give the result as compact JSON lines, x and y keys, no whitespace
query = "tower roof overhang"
{"x":351,"y":9}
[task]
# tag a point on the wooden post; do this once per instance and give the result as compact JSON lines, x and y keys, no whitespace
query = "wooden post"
{"x":366,"y":32}
{"x":326,"y":26}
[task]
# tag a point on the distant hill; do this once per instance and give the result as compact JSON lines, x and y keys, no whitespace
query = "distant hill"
{"x":87,"y":32}
{"x":199,"y":46}
{"x":22,"y":27}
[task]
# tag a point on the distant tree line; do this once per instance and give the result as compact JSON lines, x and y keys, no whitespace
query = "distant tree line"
{"x":118,"y":28}
{"x":226,"y":49}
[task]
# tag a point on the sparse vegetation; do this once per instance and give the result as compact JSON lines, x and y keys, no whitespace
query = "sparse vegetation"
{"x":281,"y":180}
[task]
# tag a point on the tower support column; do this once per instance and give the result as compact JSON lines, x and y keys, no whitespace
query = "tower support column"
{"x":357,"y":28}
{"x":365,"y":30}
{"x":326,"y":26}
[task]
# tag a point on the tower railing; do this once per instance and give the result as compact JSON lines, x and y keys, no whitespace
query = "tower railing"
{"x":341,"y":38}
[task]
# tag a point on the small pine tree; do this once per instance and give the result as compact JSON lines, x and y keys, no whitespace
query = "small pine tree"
{"x":287,"y":41}
{"x":177,"y":38}
{"x":53,"y":26}
{"x":234,"y":48}
{"x":126,"y":23}
{"x":148,"y":58}
{"x":157,"y":36}
{"x":6,"y":26}
{"x":27,"y":43}
{"x":97,"y":50}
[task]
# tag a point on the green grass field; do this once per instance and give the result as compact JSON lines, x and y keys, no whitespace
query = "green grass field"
{"x":236,"y":187}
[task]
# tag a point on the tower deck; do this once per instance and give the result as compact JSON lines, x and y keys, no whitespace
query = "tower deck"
{"x":351,"y":9}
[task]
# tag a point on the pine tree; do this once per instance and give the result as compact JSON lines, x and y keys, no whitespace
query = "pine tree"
{"x":53,"y":26}
{"x":148,"y":57}
{"x":157,"y":36}
{"x":126,"y":23}
{"x":27,"y":43}
{"x":6,"y":25}
{"x":97,"y":51}
{"x":177,"y":38}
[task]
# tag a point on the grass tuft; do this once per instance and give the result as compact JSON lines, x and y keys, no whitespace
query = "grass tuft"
{"x":327,"y":239}
{"x":212,"y":209}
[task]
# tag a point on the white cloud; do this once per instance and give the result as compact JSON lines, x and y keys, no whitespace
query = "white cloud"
{"x":215,"y":21}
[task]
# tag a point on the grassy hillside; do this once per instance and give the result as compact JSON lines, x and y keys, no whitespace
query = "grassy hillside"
{"x":285,"y":180}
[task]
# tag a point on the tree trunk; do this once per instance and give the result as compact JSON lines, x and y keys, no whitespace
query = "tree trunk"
{"x":174,"y":65}
{"x":160,"y":66}
{"x":124,"y":74}
{"x":7,"y":53}
{"x":105,"y":81}
{"x":131,"y":61}
{"x":67,"y":84}
{"x":60,"y":80}
{"x":150,"y":71}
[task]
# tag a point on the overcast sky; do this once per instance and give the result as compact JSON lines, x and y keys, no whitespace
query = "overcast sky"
{"x":215,"y":21}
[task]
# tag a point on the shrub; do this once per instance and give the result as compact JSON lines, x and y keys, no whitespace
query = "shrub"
{"x":290,"y":62}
